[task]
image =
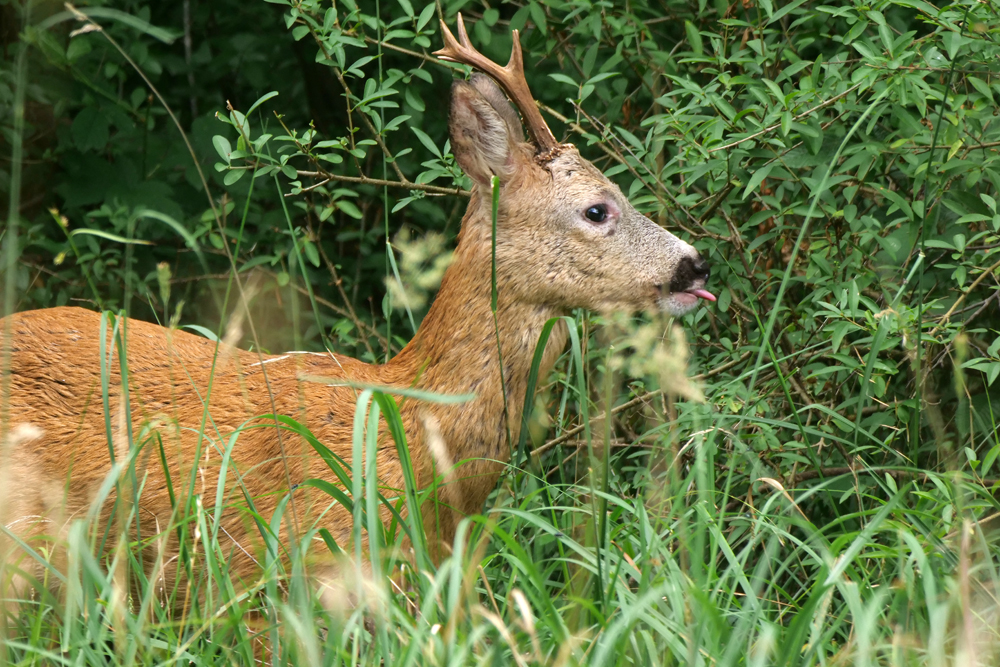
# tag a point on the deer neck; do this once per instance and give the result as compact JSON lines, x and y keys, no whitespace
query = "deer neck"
{"x":459,"y":349}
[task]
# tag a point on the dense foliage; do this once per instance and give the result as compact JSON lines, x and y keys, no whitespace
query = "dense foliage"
{"x":820,"y":493}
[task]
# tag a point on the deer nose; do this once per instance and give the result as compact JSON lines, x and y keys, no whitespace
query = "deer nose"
{"x":701,"y":269}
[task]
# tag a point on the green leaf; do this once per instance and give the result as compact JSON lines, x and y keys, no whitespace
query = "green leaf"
{"x":109,"y":236}
{"x":350,"y":208}
{"x":161,"y":34}
{"x":982,"y":87}
{"x":953,"y":42}
{"x":413,"y":98}
{"x":222,"y":147}
{"x":757,"y":178}
{"x":263,"y":98}
{"x":425,"y":16}
{"x":887,"y":39}
{"x":520,"y":18}
{"x":311,"y":253}
{"x":856,"y":31}
{"x":693,"y":37}
{"x":562,"y":78}
{"x":897,"y":201}
{"x":426,"y":141}
{"x":989,"y":201}
{"x":537,"y":15}
{"x":890,"y":482}
{"x":725,"y":299}
{"x":207,"y":333}
{"x":775,"y":90}
{"x":865,"y":50}
{"x":189,"y":239}
{"x":78,"y":47}
{"x":90,"y":129}
{"x":791,"y":6}
{"x":233,"y":176}
{"x":601,"y":77}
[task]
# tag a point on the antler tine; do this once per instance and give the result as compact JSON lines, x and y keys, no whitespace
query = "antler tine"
{"x":463,"y":36}
{"x":450,"y":43}
{"x":516,"y":62}
{"x":511,"y":78}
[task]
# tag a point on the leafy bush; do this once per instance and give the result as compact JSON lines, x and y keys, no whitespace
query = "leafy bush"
{"x":828,"y":503}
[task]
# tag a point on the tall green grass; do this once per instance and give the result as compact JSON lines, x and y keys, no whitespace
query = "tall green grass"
{"x":659,"y":564}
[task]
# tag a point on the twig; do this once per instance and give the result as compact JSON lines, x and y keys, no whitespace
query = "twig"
{"x":617,"y":444}
{"x":416,"y":54}
{"x":960,"y":299}
{"x":777,"y":125}
{"x":311,"y":187}
{"x":339,"y":284}
{"x":364,"y":180}
{"x":715,"y":203}
{"x":368,"y":124}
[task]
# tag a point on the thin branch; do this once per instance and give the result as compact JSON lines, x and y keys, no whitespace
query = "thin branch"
{"x":715,"y":203}
{"x":339,"y":284}
{"x":364,"y":118}
{"x":614,"y":444}
{"x":416,"y":54}
{"x":311,"y":187}
{"x":975,"y":283}
{"x":371,"y":128}
{"x":364,"y":180}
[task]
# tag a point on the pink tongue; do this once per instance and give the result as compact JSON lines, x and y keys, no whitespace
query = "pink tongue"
{"x":704,"y":294}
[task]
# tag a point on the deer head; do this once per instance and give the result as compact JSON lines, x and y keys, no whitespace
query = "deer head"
{"x":566,"y":235}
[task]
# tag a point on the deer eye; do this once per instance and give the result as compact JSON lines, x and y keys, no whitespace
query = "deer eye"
{"x":597,"y":213}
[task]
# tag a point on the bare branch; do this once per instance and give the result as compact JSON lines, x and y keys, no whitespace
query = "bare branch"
{"x":364,"y":180}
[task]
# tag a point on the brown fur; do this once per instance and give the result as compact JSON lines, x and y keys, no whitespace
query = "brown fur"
{"x":549,"y":259}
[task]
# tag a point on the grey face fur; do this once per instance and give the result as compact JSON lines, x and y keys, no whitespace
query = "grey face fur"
{"x":567,"y":236}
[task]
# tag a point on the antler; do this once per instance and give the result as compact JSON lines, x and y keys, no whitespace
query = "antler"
{"x":510,"y":78}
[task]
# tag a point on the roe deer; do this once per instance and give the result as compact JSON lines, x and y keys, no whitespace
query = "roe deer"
{"x":566,"y":238}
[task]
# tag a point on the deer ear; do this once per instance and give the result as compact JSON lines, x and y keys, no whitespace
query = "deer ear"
{"x":480,"y":137}
{"x":491,"y":91}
